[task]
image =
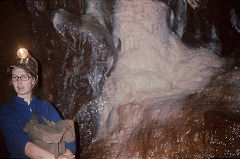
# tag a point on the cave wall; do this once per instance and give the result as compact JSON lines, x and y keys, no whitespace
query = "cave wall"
{"x":29,"y":24}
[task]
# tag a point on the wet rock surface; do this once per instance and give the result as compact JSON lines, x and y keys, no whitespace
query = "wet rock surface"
{"x":207,"y":127}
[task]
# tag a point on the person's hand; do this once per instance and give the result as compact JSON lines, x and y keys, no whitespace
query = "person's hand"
{"x":67,"y":155}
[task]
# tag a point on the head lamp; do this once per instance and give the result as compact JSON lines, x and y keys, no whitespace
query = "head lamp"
{"x":22,"y":53}
{"x":25,"y":61}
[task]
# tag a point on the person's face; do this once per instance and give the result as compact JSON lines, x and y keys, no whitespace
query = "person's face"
{"x":23,"y":82}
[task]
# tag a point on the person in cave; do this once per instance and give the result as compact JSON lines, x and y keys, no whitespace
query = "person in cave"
{"x":24,"y":77}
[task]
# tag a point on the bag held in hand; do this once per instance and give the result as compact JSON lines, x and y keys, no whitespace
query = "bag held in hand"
{"x":50,"y":136}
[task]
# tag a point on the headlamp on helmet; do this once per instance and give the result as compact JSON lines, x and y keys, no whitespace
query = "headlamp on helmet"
{"x":25,"y":61}
{"x":22,"y":53}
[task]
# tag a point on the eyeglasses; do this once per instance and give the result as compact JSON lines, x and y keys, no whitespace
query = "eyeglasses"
{"x":23,"y":78}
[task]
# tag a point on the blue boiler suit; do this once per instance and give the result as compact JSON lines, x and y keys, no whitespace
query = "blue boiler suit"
{"x":16,"y":110}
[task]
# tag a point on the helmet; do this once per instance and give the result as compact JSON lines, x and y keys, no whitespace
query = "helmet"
{"x":25,"y":61}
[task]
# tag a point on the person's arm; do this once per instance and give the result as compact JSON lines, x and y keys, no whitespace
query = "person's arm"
{"x":35,"y":152}
{"x":15,"y":138}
